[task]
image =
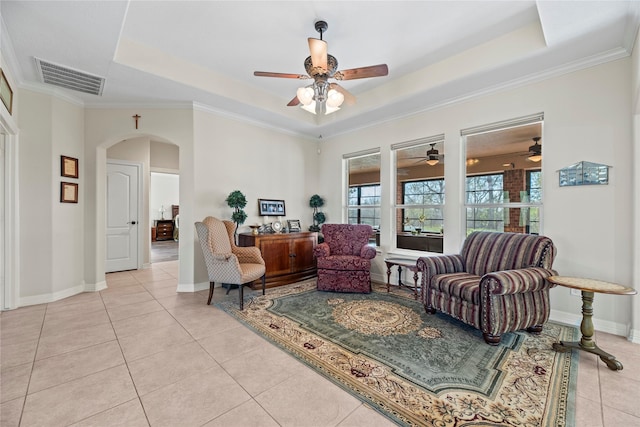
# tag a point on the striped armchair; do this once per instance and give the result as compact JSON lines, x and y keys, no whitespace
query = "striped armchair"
{"x":496,"y":284}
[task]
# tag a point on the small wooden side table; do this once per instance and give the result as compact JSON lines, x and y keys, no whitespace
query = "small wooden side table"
{"x":409,"y":264}
{"x":588,"y":287}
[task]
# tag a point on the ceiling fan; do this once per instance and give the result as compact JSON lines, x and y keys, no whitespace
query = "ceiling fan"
{"x":432,"y":157}
{"x":322,"y":96}
{"x":535,"y":150}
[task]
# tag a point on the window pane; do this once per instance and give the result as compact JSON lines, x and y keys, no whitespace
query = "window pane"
{"x":485,"y":219}
{"x":364,"y":190}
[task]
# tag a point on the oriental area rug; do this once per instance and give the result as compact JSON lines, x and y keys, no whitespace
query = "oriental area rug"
{"x":415,"y":368}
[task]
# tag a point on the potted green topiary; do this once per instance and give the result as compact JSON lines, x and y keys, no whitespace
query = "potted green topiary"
{"x":237,"y":201}
{"x":318,"y":217}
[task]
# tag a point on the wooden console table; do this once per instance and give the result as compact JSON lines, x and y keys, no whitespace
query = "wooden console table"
{"x":588,"y":287}
{"x":288,"y":257}
{"x":409,"y":264}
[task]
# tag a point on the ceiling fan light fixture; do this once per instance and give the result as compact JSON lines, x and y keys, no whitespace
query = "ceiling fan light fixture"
{"x":334,"y":100}
{"x":305,"y":95}
{"x":535,"y":157}
{"x":433,"y":162}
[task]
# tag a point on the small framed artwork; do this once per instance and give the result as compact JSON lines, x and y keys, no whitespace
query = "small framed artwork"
{"x":68,"y":167}
{"x":293,"y":225}
{"x":6,"y":93}
{"x":269,"y":207}
{"x":68,"y":192}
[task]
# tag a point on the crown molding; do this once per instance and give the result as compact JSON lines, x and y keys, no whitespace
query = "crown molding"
{"x":53,"y":91}
{"x":578,"y":65}
{"x":264,"y":125}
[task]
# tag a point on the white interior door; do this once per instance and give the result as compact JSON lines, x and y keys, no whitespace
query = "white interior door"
{"x":123,"y":182}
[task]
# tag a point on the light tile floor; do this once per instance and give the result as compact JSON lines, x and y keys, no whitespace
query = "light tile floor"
{"x":138,"y":354}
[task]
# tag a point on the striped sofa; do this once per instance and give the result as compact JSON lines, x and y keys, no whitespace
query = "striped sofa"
{"x":496,"y":284}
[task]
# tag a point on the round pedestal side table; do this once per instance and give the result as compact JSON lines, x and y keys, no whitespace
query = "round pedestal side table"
{"x":588,"y":287}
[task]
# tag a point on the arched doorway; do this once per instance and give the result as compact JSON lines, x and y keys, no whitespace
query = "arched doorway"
{"x":152,"y":153}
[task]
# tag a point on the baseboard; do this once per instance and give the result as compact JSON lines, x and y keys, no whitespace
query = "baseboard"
{"x":634,"y":336}
{"x":55,"y":296}
{"x":95,"y":287}
{"x":601,"y":325}
{"x":192,"y":287}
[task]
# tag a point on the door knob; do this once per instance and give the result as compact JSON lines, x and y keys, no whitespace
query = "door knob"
{"x":132,"y":223}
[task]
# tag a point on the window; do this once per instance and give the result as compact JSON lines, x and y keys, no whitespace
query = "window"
{"x":419,"y":198}
{"x":503,"y":189}
{"x":363,"y":190}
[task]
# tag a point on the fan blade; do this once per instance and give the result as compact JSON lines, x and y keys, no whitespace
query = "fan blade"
{"x":280,"y":75}
{"x":318,"y":49}
{"x":362,"y":72}
{"x":349,"y":99}
{"x":295,"y":101}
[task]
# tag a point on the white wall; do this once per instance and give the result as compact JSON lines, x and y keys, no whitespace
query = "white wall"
{"x":587,"y":117}
{"x":50,"y":231}
{"x":262,"y":163}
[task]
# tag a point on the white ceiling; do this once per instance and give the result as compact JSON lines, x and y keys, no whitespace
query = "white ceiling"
{"x":176,"y":52}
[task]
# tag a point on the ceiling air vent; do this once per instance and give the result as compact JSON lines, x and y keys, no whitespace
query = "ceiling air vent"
{"x":69,"y":78}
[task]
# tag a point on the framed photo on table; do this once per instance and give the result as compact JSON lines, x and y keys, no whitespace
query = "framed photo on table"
{"x":270,"y":207}
{"x":68,"y":192}
{"x":68,"y":167}
{"x":293,"y":225}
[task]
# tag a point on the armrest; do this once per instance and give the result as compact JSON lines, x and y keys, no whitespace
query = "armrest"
{"x":530,"y":279}
{"x":440,"y":264}
{"x":221,"y":257}
{"x":248,"y":255}
{"x":368,"y":252}
{"x":322,"y":250}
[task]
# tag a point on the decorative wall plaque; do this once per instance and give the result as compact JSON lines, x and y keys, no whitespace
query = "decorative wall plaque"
{"x":584,"y":173}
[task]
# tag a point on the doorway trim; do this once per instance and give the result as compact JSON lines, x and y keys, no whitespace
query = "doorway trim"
{"x":11,"y":260}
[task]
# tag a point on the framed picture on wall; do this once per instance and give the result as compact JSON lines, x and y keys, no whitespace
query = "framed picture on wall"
{"x":270,"y":207}
{"x":6,"y":93}
{"x":68,"y":167}
{"x":68,"y":192}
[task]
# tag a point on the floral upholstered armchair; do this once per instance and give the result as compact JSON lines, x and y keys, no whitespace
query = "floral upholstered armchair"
{"x":496,"y":284}
{"x":344,"y":258}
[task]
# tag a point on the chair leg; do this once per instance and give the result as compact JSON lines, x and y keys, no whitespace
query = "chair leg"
{"x":241,"y":292}
{"x":430,"y":310}
{"x":211,"y":284}
{"x":535,"y":329}
{"x":491,"y":339}
{"x":264,"y":281}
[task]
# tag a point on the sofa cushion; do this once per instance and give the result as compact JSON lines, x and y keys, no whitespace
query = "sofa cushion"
{"x":462,"y":286}
{"x":344,"y":262}
{"x":486,"y":252}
